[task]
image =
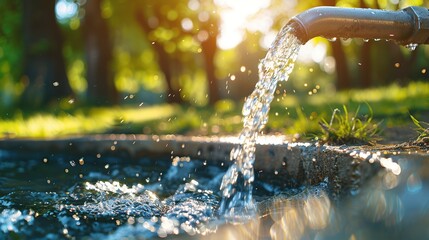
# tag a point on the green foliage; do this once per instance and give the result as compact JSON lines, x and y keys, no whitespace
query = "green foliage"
{"x":84,"y":121}
{"x":293,"y":117}
{"x":10,"y":51}
{"x":348,"y":128}
{"x":421,"y":127}
{"x":304,"y":127}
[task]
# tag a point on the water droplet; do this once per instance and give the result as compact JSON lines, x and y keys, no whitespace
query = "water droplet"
{"x":412,"y":46}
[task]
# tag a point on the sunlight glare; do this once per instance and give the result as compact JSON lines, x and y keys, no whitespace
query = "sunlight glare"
{"x":65,"y":9}
{"x":236,"y":16}
{"x":312,"y":51}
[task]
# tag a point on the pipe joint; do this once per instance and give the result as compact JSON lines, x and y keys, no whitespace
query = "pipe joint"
{"x":421,"y":24}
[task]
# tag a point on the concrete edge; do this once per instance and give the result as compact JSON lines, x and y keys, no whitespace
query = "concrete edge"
{"x":292,"y":164}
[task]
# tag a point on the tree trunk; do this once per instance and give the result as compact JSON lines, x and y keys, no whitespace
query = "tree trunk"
{"x":98,"y":49}
{"x":44,"y":68}
{"x":365,"y":67}
{"x":342,"y":68}
{"x":164,"y":62}
{"x":401,"y":64}
{"x":209,"y":48}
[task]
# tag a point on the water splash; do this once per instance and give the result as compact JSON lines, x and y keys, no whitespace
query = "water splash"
{"x":237,"y":203}
{"x":106,"y":199}
{"x":12,"y":220}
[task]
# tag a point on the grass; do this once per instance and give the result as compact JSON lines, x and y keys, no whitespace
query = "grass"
{"x":422,"y":128}
{"x":345,"y":127}
{"x":89,"y":121}
{"x":292,"y":115}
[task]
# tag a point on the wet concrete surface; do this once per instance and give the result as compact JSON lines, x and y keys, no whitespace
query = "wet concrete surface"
{"x":344,"y":168}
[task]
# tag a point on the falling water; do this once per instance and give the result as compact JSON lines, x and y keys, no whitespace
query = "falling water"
{"x":237,"y":204}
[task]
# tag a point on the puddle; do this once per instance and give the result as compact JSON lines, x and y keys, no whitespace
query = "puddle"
{"x":70,"y":196}
{"x":93,"y":196}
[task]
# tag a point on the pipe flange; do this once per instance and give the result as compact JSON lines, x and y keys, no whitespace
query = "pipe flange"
{"x":420,"y":17}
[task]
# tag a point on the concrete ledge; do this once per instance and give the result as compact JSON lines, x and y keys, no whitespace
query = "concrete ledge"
{"x":285,"y":164}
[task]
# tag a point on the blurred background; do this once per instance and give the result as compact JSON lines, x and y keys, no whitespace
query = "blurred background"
{"x":195,"y":51}
{"x":193,"y":61}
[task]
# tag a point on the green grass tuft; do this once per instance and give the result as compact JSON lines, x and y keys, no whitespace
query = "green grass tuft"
{"x":348,"y":128}
{"x":421,"y":127}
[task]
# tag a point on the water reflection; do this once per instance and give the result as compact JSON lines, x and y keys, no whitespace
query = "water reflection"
{"x":392,"y":205}
{"x":292,"y":218}
{"x":249,"y":230}
{"x":388,"y":206}
{"x":414,"y":183}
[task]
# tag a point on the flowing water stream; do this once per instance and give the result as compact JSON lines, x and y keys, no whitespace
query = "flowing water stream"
{"x":237,"y":203}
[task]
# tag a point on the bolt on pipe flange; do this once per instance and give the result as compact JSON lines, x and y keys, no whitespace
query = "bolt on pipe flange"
{"x":421,"y":24}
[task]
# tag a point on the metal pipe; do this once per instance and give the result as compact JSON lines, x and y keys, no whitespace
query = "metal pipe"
{"x":406,"y":26}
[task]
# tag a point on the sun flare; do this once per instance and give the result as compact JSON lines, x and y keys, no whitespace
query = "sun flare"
{"x":236,"y":18}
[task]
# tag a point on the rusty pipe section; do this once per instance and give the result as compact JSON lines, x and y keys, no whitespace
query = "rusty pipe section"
{"x":407,"y":26}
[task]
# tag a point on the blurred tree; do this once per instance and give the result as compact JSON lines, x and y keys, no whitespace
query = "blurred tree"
{"x":385,"y":62}
{"x":210,"y":28}
{"x":169,"y":26}
{"x":165,"y":61}
{"x":365,"y":67}
{"x":342,"y":68}
{"x":44,"y":70}
{"x":98,"y":55}
{"x":10,"y":51}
